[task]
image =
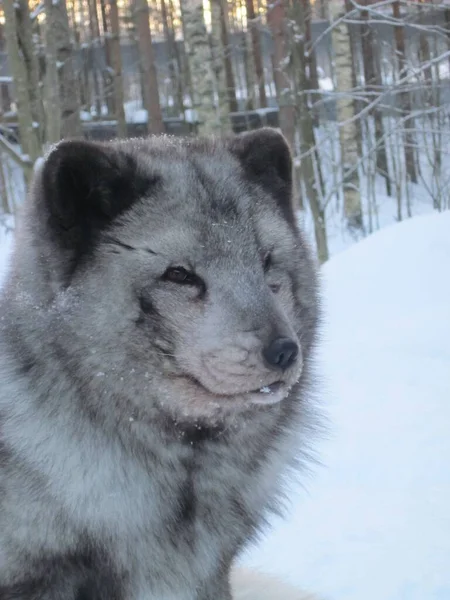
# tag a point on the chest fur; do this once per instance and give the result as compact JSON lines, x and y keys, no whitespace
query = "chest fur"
{"x":179,"y":515}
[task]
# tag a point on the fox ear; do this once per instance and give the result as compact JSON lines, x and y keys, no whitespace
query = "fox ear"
{"x":82,"y":187}
{"x":266,"y":158}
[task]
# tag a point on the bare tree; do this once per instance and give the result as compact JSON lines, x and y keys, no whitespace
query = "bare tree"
{"x":52,"y":91}
{"x":253,"y":21}
{"x":304,"y":118}
{"x":64,"y":98}
{"x":405,"y":98}
{"x":372,"y":77}
{"x":149,"y":77}
{"x":94,"y":41}
{"x":29,"y":137}
{"x":312,"y":80}
{"x":200,"y":66}
{"x":174,"y":62}
{"x":116,"y":63}
{"x":4,"y":205}
{"x":108,"y":72}
{"x":30,"y":58}
{"x":218,"y":56}
{"x":229,"y":75}
{"x":348,"y":132}
{"x":276,"y":17}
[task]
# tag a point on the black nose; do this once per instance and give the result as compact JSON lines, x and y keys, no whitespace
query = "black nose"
{"x":281,"y":353}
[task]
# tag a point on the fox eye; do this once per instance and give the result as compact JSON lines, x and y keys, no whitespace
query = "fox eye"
{"x":267,"y":262}
{"x":181,"y":275}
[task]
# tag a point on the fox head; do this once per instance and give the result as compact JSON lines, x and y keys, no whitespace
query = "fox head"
{"x":172,"y":273}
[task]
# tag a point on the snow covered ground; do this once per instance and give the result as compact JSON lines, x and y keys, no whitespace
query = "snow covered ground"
{"x":372,"y":522}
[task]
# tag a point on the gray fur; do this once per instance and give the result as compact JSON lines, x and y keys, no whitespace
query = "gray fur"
{"x":134,"y":464}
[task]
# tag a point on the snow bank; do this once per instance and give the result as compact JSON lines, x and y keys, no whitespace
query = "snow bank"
{"x":374,"y":521}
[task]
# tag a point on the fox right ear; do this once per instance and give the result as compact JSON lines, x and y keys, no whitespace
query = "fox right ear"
{"x":266,"y":157}
{"x":82,"y":187}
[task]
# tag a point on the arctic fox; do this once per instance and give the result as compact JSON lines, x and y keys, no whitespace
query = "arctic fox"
{"x":157,"y":334}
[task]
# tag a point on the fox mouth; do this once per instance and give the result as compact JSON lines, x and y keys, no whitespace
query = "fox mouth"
{"x":267,"y":394}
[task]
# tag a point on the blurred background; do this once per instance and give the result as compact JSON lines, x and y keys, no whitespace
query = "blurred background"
{"x":360,"y":89}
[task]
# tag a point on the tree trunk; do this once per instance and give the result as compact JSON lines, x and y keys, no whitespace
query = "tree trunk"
{"x":249,"y":72}
{"x":69,"y":95}
{"x":276,"y":20}
{"x":404,"y":96}
{"x":52,"y":91}
{"x":312,"y":80}
{"x":425,"y":53}
{"x":200,"y":66}
{"x":229,"y":75}
{"x":116,"y":63}
{"x":29,"y":138}
{"x":348,"y":131}
{"x":94,"y":33}
{"x":253,"y":26}
{"x":307,"y":135}
{"x":323,"y":9}
{"x":372,"y":77}
{"x":218,"y":55}
{"x":184,"y":62}
{"x":32,"y":66}
{"x":4,"y":204}
{"x":108,"y":77}
{"x":175,"y":80}
{"x":150,"y":79}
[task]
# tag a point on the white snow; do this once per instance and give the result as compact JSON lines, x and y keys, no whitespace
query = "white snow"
{"x":6,"y":240}
{"x":373,"y":521}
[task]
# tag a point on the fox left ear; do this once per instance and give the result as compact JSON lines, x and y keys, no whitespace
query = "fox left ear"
{"x":80,"y":189}
{"x":267,"y":160}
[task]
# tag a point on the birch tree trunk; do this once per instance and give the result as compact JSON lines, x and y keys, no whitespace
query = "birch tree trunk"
{"x":218,"y":56}
{"x":29,"y":138}
{"x":116,"y":63}
{"x":253,"y":25}
{"x":200,"y":67}
{"x":150,"y":79}
{"x":348,"y":131}
{"x":307,"y":136}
